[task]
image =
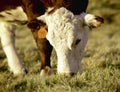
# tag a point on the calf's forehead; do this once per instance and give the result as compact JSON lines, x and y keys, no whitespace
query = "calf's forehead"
{"x":65,"y":33}
{"x":63,"y":27}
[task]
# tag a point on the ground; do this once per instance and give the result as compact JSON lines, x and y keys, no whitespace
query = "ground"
{"x":101,"y":61}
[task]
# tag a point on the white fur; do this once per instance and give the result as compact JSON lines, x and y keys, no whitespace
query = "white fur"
{"x":90,"y":20}
{"x":68,"y":34}
{"x":7,"y":36}
{"x":15,"y":15}
{"x":64,"y":28}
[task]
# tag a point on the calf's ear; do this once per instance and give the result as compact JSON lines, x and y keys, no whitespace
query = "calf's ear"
{"x":40,"y":26}
{"x":34,"y":24}
{"x":93,"y":21}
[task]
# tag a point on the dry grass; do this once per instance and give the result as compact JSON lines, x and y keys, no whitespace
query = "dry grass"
{"x":101,"y":62}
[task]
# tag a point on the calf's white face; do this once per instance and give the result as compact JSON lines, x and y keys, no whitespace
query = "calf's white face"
{"x":68,"y":34}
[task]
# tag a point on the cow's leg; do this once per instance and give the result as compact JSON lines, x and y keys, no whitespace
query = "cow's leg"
{"x":45,"y":50}
{"x":8,"y":43}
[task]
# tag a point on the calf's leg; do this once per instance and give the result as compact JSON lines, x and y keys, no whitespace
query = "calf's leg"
{"x":45,"y":50}
{"x":8,"y":43}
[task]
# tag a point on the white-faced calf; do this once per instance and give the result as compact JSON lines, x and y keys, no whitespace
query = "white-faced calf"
{"x":68,"y":34}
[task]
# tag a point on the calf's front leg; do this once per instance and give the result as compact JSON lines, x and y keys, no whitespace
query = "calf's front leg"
{"x":45,"y":50}
{"x":7,"y":37}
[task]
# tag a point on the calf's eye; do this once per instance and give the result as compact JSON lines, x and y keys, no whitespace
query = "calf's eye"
{"x":77,"y":41}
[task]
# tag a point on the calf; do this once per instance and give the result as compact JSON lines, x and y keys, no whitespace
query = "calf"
{"x":67,"y":33}
{"x":45,"y":48}
{"x":33,"y":9}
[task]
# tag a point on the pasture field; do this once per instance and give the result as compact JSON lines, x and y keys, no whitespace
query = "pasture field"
{"x":101,"y":62}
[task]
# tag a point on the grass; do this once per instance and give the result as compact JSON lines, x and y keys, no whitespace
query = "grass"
{"x":101,"y":61}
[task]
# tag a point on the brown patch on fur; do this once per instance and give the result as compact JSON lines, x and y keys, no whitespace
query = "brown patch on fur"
{"x":55,"y":4}
{"x":9,"y":4}
{"x":42,"y":32}
{"x":33,"y":8}
{"x":99,"y":21}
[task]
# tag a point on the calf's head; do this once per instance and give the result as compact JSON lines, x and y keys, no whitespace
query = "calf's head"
{"x":68,"y":34}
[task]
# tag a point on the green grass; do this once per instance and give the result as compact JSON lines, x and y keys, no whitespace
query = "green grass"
{"x":101,"y":61}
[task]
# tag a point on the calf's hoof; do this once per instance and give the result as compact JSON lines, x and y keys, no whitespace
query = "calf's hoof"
{"x":22,"y":71}
{"x":47,"y":71}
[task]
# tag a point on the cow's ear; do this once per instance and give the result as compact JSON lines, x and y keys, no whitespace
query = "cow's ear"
{"x":93,"y":21}
{"x":34,"y":24}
